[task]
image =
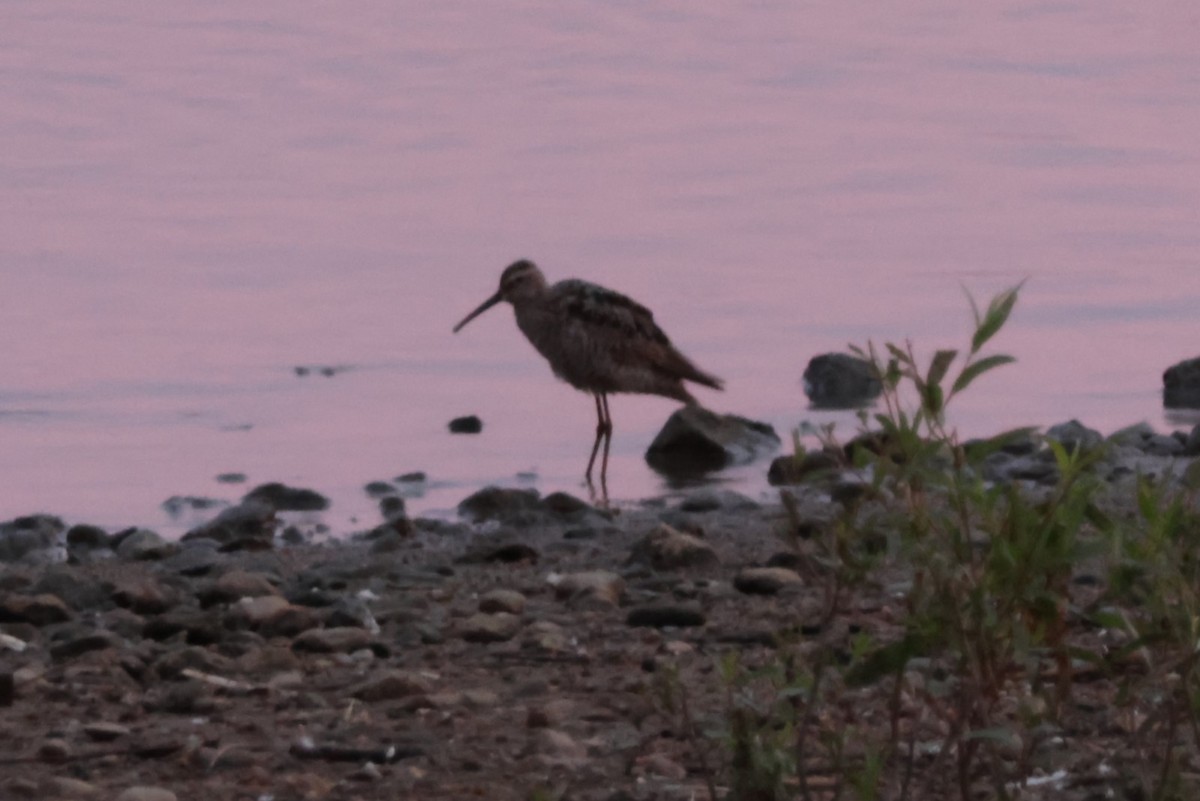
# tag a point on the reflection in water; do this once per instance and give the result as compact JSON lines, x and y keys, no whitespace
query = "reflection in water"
{"x":197,"y":198}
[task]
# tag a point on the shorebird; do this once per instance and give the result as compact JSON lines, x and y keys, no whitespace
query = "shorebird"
{"x":598,"y":341}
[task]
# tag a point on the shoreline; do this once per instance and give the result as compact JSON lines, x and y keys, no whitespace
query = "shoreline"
{"x":518,"y":651}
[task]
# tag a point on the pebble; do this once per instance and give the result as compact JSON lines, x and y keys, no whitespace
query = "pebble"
{"x":666,"y":548}
{"x":509,"y":601}
{"x":766,"y":580}
{"x":146,"y":794}
{"x":486,"y":628}
{"x":664,"y":616}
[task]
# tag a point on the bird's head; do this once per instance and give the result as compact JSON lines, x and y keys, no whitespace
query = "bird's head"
{"x":520,"y":281}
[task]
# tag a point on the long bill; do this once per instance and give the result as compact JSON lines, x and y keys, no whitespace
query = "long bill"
{"x":487,"y":304}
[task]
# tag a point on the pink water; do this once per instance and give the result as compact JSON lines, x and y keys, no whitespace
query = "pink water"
{"x":197,"y":196}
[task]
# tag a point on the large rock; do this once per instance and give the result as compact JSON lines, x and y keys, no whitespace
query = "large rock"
{"x":29,"y":536}
{"x":1074,"y":435}
{"x":1181,"y":385}
{"x":499,"y":502}
{"x":249,"y":520}
{"x":695,"y":440}
{"x":283,"y":498}
{"x":142,"y":545}
{"x":840,"y":381}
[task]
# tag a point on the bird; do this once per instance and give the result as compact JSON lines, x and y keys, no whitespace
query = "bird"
{"x":598,"y":341}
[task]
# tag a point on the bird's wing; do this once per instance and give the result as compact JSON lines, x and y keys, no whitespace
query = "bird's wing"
{"x":627,"y":329}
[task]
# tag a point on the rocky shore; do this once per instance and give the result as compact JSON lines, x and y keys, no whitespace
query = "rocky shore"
{"x":517,"y":653}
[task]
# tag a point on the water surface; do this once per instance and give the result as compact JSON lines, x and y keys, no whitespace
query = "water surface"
{"x":197,"y":197}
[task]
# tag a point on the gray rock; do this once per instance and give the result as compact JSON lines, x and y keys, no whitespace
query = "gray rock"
{"x":665,"y":548}
{"x":27,"y":536}
{"x":249,"y":520}
{"x":79,"y":591}
{"x":695,"y":441}
{"x":178,"y":505}
{"x":1181,"y":385}
{"x":1074,"y":435}
{"x":1163,"y":445}
{"x":1134,"y":436}
{"x":492,"y":503}
{"x":283,"y":498}
{"x":486,"y":628}
{"x":766,"y":580}
{"x":840,"y":381}
{"x":144,"y":545}
{"x":196,"y":557}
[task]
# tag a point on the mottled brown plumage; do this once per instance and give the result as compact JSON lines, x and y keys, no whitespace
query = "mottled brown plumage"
{"x":596,"y":340}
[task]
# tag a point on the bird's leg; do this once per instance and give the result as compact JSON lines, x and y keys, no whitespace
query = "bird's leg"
{"x":596,"y":445}
{"x":607,"y":424}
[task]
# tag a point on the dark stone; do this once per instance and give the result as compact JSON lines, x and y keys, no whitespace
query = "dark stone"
{"x":77,"y":590}
{"x":466,"y":425}
{"x":72,"y":643}
{"x":201,"y":628}
{"x":249,"y":519}
{"x":283,"y":498}
{"x":143,"y":545}
{"x":23,"y":536}
{"x":1191,"y":446}
{"x":197,"y":557}
{"x":507,"y":553}
{"x":840,"y":381}
{"x":37,"y":610}
{"x":495,"y":502}
{"x":378,"y":489}
{"x":391,"y":507}
{"x":664,"y":616}
{"x":565,"y":505}
{"x":695,"y":441}
{"x":177,"y":505}
{"x":792,"y":470}
{"x":1074,"y":435}
{"x":231,"y":478}
{"x":85,"y":537}
{"x":411,"y":478}
{"x":1181,"y":385}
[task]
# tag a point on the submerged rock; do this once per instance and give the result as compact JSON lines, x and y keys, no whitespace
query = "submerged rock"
{"x":1181,"y":385}
{"x":283,"y":498}
{"x":695,"y":440}
{"x":840,"y":381}
{"x":466,"y":425}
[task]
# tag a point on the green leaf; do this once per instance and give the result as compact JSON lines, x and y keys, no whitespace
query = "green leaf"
{"x":976,"y":369}
{"x":995,"y":317}
{"x":933,"y":399}
{"x":939,"y":366}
